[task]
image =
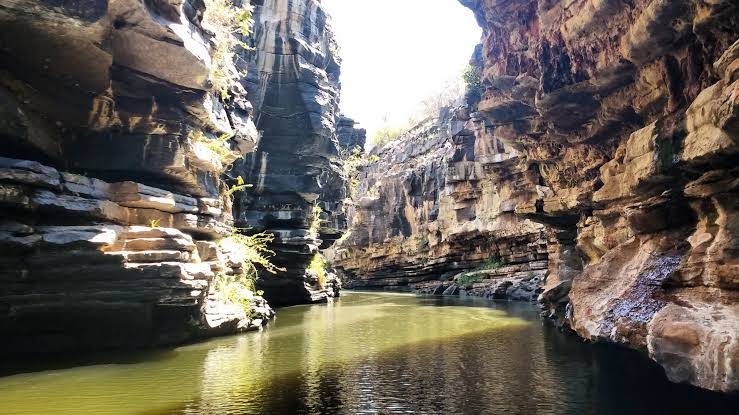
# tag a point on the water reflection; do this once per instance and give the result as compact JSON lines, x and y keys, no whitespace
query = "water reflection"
{"x":372,"y":353}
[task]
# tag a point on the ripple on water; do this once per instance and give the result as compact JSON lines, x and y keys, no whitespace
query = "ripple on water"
{"x":366,"y":353}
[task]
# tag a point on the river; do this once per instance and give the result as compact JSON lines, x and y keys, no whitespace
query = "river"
{"x":367,"y":353}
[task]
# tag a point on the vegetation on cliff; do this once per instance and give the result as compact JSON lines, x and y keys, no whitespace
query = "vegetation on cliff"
{"x":472,"y":78}
{"x":252,"y":251}
{"x":216,"y":149}
{"x":447,"y":95}
{"x":317,"y":266}
{"x":354,"y":161}
{"x":249,"y":253}
{"x":227,"y":23}
{"x":387,"y":134}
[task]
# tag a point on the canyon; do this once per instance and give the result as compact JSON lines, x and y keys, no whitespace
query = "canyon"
{"x":593,"y":167}
{"x":126,"y":128}
{"x":590,"y":167}
{"x":297,"y":173}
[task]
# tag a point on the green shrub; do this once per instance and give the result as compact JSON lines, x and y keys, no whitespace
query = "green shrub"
{"x":240,"y":186}
{"x":472,"y":77}
{"x":472,"y":278}
{"x":318,"y":265}
{"x":244,"y":19}
{"x":352,"y":161}
{"x":315,"y":224}
{"x":219,"y":147}
{"x":467,"y":280}
{"x":234,"y":289}
{"x":491,"y":264}
{"x":386,"y":134}
{"x":422,"y":243}
{"x":252,"y":251}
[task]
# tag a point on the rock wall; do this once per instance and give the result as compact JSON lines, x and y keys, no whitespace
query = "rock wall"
{"x":607,"y":130}
{"x":293,"y":79}
{"x":111,"y":193}
{"x":437,"y":203}
{"x":349,"y":136}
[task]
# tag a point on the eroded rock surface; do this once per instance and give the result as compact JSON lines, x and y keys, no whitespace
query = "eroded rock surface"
{"x":428,"y":209}
{"x":294,"y":83}
{"x":88,"y":264}
{"x":604,"y":140}
{"x":112,"y":201}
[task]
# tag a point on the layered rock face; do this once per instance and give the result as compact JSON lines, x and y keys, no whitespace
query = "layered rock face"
{"x":614,"y":126}
{"x":438,"y":202}
{"x":111,"y":196}
{"x":296,"y":171}
{"x":350,"y":137}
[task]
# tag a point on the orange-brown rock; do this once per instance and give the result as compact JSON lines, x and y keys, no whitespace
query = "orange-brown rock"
{"x":608,"y":130}
{"x":635,"y":133}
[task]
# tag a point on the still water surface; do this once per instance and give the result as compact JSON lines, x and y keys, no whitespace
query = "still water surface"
{"x":369,"y":353}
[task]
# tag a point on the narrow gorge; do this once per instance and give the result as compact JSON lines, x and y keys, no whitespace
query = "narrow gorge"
{"x":593,"y":167}
{"x":130,"y":132}
{"x":171,"y":170}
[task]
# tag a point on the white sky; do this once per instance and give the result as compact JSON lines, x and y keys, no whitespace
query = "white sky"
{"x":396,"y":53}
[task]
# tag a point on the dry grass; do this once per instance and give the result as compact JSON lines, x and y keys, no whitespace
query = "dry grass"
{"x":227,"y":23}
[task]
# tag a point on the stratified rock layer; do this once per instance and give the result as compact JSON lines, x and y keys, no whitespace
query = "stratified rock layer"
{"x":349,"y":136}
{"x":111,"y":198}
{"x":296,"y":171}
{"x":614,"y":125}
{"x":430,"y":206}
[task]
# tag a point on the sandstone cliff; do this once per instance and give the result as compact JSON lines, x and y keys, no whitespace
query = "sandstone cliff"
{"x":299,"y":185}
{"x":426,"y":210}
{"x":111,"y":193}
{"x":602,"y":145}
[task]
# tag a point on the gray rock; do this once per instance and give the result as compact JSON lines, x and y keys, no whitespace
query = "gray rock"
{"x":295,"y":79}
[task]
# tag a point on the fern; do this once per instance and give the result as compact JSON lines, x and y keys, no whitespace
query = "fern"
{"x":219,"y":147}
{"x":252,"y":251}
{"x":238,"y":187}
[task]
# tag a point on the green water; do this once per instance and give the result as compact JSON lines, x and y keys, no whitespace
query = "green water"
{"x":364,"y":353}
